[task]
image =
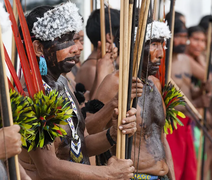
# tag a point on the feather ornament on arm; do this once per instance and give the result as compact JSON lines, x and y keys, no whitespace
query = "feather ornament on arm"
{"x":172,"y":98}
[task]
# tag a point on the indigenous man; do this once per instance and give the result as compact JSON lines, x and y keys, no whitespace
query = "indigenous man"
{"x":153,"y":152}
{"x":53,"y":32}
{"x":87,"y":74}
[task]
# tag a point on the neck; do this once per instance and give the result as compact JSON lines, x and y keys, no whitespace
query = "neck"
{"x":54,"y":73}
{"x":187,"y":52}
{"x":93,"y":54}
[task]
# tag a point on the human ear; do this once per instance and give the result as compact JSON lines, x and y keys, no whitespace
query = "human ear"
{"x":38,"y":48}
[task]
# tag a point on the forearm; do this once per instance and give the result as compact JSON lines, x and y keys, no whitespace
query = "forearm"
{"x":97,"y":122}
{"x":169,"y":160}
{"x":50,"y":167}
{"x":98,"y":143}
{"x":98,"y":79}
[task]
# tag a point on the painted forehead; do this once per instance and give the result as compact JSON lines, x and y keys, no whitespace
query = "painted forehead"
{"x":59,"y":43}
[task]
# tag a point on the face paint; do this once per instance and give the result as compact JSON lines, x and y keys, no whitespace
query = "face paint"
{"x":61,"y":55}
{"x":155,"y":53}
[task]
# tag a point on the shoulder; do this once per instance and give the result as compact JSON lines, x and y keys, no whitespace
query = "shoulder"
{"x":156,"y":82}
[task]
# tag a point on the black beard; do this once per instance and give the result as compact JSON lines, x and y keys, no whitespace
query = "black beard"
{"x":179,"y":49}
{"x":65,"y":67}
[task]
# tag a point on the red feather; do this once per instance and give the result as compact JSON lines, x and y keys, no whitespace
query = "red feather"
{"x":30,"y":51}
{"x":10,"y":84}
{"x":13,"y":72}
{"x":21,"y":52}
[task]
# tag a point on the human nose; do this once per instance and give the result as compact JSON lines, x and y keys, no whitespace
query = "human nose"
{"x":73,"y":49}
{"x":80,"y":46}
{"x":160,"y":51}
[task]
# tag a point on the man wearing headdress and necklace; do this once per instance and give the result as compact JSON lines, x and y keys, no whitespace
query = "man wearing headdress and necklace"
{"x":152,"y":158}
{"x":54,"y":36}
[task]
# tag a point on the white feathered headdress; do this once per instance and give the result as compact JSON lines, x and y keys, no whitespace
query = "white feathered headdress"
{"x":158,"y":30}
{"x":58,"y":21}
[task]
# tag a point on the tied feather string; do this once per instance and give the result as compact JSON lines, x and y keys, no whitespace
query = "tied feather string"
{"x":4,"y":26}
{"x":142,"y":119}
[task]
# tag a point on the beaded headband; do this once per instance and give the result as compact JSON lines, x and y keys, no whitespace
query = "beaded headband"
{"x":58,"y":21}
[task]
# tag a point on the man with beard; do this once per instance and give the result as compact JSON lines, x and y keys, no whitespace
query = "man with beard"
{"x":54,"y":36}
{"x":152,"y":154}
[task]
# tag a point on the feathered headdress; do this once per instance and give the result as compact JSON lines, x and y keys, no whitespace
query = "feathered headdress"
{"x":58,"y":21}
{"x":38,"y":115}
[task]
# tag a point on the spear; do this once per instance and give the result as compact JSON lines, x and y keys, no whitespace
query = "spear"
{"x":136,"y":60}
{"x":123,"y":76}
{"x":102,"y":23}
{"x":168,"y":61}
{"x":208,"y":59}
{"x":6,"y":112}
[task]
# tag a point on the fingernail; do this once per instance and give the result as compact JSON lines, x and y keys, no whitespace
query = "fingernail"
{"x":127,"y":115}
{"x":124,"y":131}
{"x":120,"y":127}
{"x":123,"y":121}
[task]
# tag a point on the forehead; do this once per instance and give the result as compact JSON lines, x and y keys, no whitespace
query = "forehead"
{"x":198,"y":33}
{"x":181,"y":34}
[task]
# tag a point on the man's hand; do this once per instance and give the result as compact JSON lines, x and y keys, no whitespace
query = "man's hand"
{"x":10,"y":138}
{"x":120,"y":168}
{"x":128,"y":125}
{"x":137,"y":88}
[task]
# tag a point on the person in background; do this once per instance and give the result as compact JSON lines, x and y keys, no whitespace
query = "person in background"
{"x":87,"y":74}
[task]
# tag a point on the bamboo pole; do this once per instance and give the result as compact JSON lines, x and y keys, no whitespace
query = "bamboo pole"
{"x":140,"y":36}
{"x":171,"y":45}
{"x":125,"y":72}
{"x":204,"y":111}
{"x":7,"y":112}
{"x":102,"y":22}
{"x":14,"y":50}
{"x":155,"y":10}
{"x":119,"y":140}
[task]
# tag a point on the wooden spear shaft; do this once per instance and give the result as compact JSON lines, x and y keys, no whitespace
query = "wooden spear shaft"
{"x":102,"y":23}
{"x":138,"y":37}
{"x":6,"y":111}
{"x":200,"y":164}
{"x":125,"y":72}
{"x":118,"y":144}
{"x":169,"y":55}
{"x":155,"y":8}
{"x":14,"y":49}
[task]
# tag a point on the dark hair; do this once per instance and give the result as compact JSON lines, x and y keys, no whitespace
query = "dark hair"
{"x":177,"y":16}
{"x":179,"y":26}
{"x":193,"y":29}
{"x":93,"y":24}
{"x":204,"y":22}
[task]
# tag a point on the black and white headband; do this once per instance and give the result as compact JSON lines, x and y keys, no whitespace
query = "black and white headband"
{"x":58,"y":21}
